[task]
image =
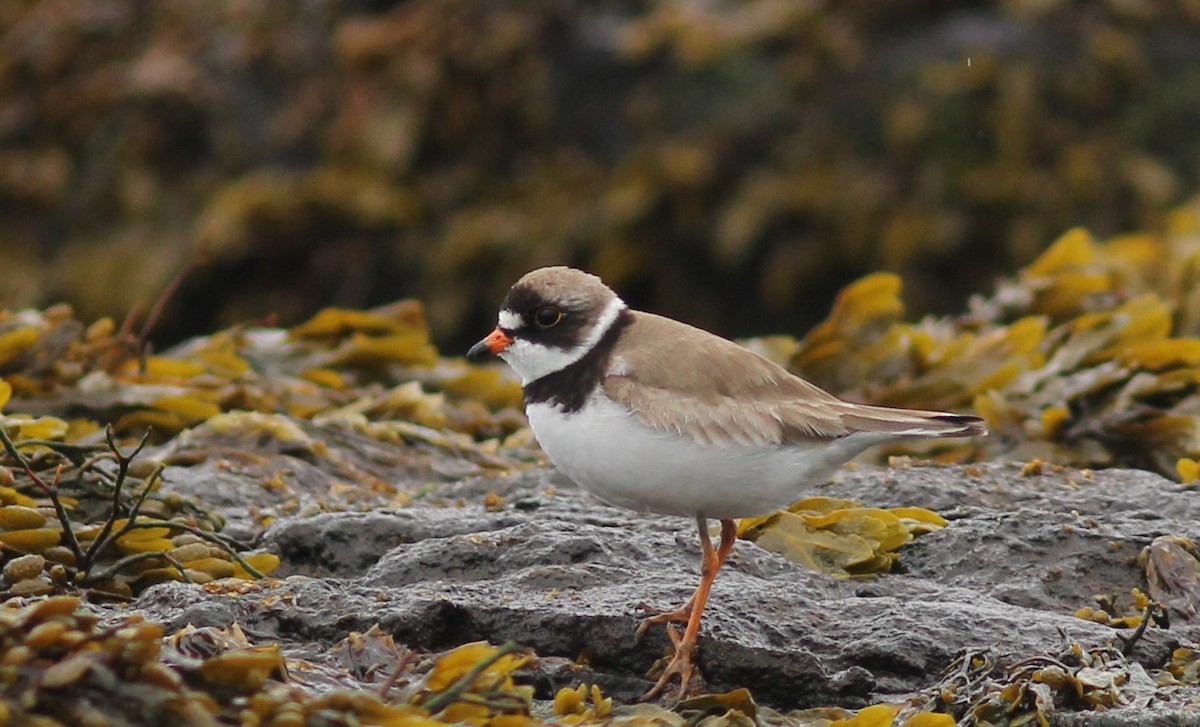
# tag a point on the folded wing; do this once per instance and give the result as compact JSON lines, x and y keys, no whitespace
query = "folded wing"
{"x":719,"y":393}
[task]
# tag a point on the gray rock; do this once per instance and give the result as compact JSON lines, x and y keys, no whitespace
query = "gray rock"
{"x":562,"y":573}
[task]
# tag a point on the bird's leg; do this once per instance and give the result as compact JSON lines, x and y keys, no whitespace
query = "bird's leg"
{"x":681,"y":663}
{"x":678,"y":615}
{"x":684,"y":612}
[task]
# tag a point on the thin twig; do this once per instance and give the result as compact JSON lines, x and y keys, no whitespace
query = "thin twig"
{"x":160,"y":305}
{"x":112,"y":445}
{"x":1128,"y":644}
{"x":20,"y":458}
{"x":50,"y":490}
{"x":119,"y":565}
{"x":106,"y":536}
{"x":103,"y":539}
{"x":73,"y":452}
{"x":401,"y":665}
{"x":496,"y":702}
{"x":100,"y":486}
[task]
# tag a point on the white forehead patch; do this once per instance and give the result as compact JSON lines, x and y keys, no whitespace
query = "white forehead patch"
{"x":511,"y":321}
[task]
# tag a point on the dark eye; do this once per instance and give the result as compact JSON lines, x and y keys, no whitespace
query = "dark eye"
{"x":547,"y":317}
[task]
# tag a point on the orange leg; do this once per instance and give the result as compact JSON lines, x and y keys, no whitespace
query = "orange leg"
{"x":678,"y":615}
{"x":692,"y":611}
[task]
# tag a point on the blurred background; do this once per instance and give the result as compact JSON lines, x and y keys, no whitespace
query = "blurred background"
{"x":732,"y":163}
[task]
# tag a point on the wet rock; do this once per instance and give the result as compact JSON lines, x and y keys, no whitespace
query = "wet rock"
{"x":345,"y":545}
{"x":560,"y":572}
{"x":957,"y":492}
{"x":1052,"y":542}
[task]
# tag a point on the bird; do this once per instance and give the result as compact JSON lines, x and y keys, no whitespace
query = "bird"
{"x":655,"y":415}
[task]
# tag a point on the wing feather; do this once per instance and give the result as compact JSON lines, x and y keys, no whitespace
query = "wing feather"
{"x":714,"y":390}
{"x":718,"y":393}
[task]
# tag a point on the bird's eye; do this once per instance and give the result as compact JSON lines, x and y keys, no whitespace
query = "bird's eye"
{"x":547,"y":317}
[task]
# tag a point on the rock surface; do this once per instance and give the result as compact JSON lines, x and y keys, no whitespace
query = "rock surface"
{"x":556,"y":570}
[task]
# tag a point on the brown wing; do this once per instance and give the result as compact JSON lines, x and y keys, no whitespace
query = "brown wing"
{"x":717,"y":392}
{"x":713,"y":389}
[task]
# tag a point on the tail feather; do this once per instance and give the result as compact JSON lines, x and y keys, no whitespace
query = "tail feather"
{"x":914,"y":423}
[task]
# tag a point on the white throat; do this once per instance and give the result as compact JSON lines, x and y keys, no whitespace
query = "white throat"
{"x":532,"y":361}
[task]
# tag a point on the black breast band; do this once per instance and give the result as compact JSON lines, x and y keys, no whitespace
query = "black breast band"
{"x":570,"y":386}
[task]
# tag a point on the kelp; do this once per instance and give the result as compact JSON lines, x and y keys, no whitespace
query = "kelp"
{"x":841,"y":537}
{"x":983,"y":686}
{"x":1172,"y":569}
{"x":88,"y":527}
{"x":374,"y":373}
{"x":61,"y":665}
{"x":378,"y":363}
{"x":1088,"y":357}
{"x":430,"y":147}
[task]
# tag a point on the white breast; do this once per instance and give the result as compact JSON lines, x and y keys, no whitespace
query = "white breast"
{"x":608,"y":452}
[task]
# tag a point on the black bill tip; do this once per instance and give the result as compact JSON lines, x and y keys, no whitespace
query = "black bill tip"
{"x":479,"y":351}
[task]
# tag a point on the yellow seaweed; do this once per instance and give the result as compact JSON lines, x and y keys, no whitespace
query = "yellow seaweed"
{"x":156,"y":420}
{"x":1188,"y":469}
{"x":20,"y":517}
{"x":1073,"y":249}
{"x":825,"y":551}
{"x":875,"y":524}
{"x":215,"y":567}
{"x":16,"y":342}
{"x":221,"y":358}
{"x":920,"y":515}
{"x":327,"y":378}
{"x":454,"y":665}
{"x":405,"y":347}
{"x":30,"y":540}
{"x":877,"y":715}
{"x":262,"y":562}
{"x":190,"y":408}
{"x":39,"y":428}
{"x":245,"y":668}
{"x":150,"y":545}
{"x":159,"y":368}
{"x":1158,"y":355}
{"x":930,"y":719}
{"x":337,"y":322}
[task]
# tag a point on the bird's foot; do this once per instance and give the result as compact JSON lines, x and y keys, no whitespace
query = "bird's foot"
{"x":681,"y":664}
{"x":679,"y":615}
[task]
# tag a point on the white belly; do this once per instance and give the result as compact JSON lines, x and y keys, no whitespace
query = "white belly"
{"x":607,"y":452}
